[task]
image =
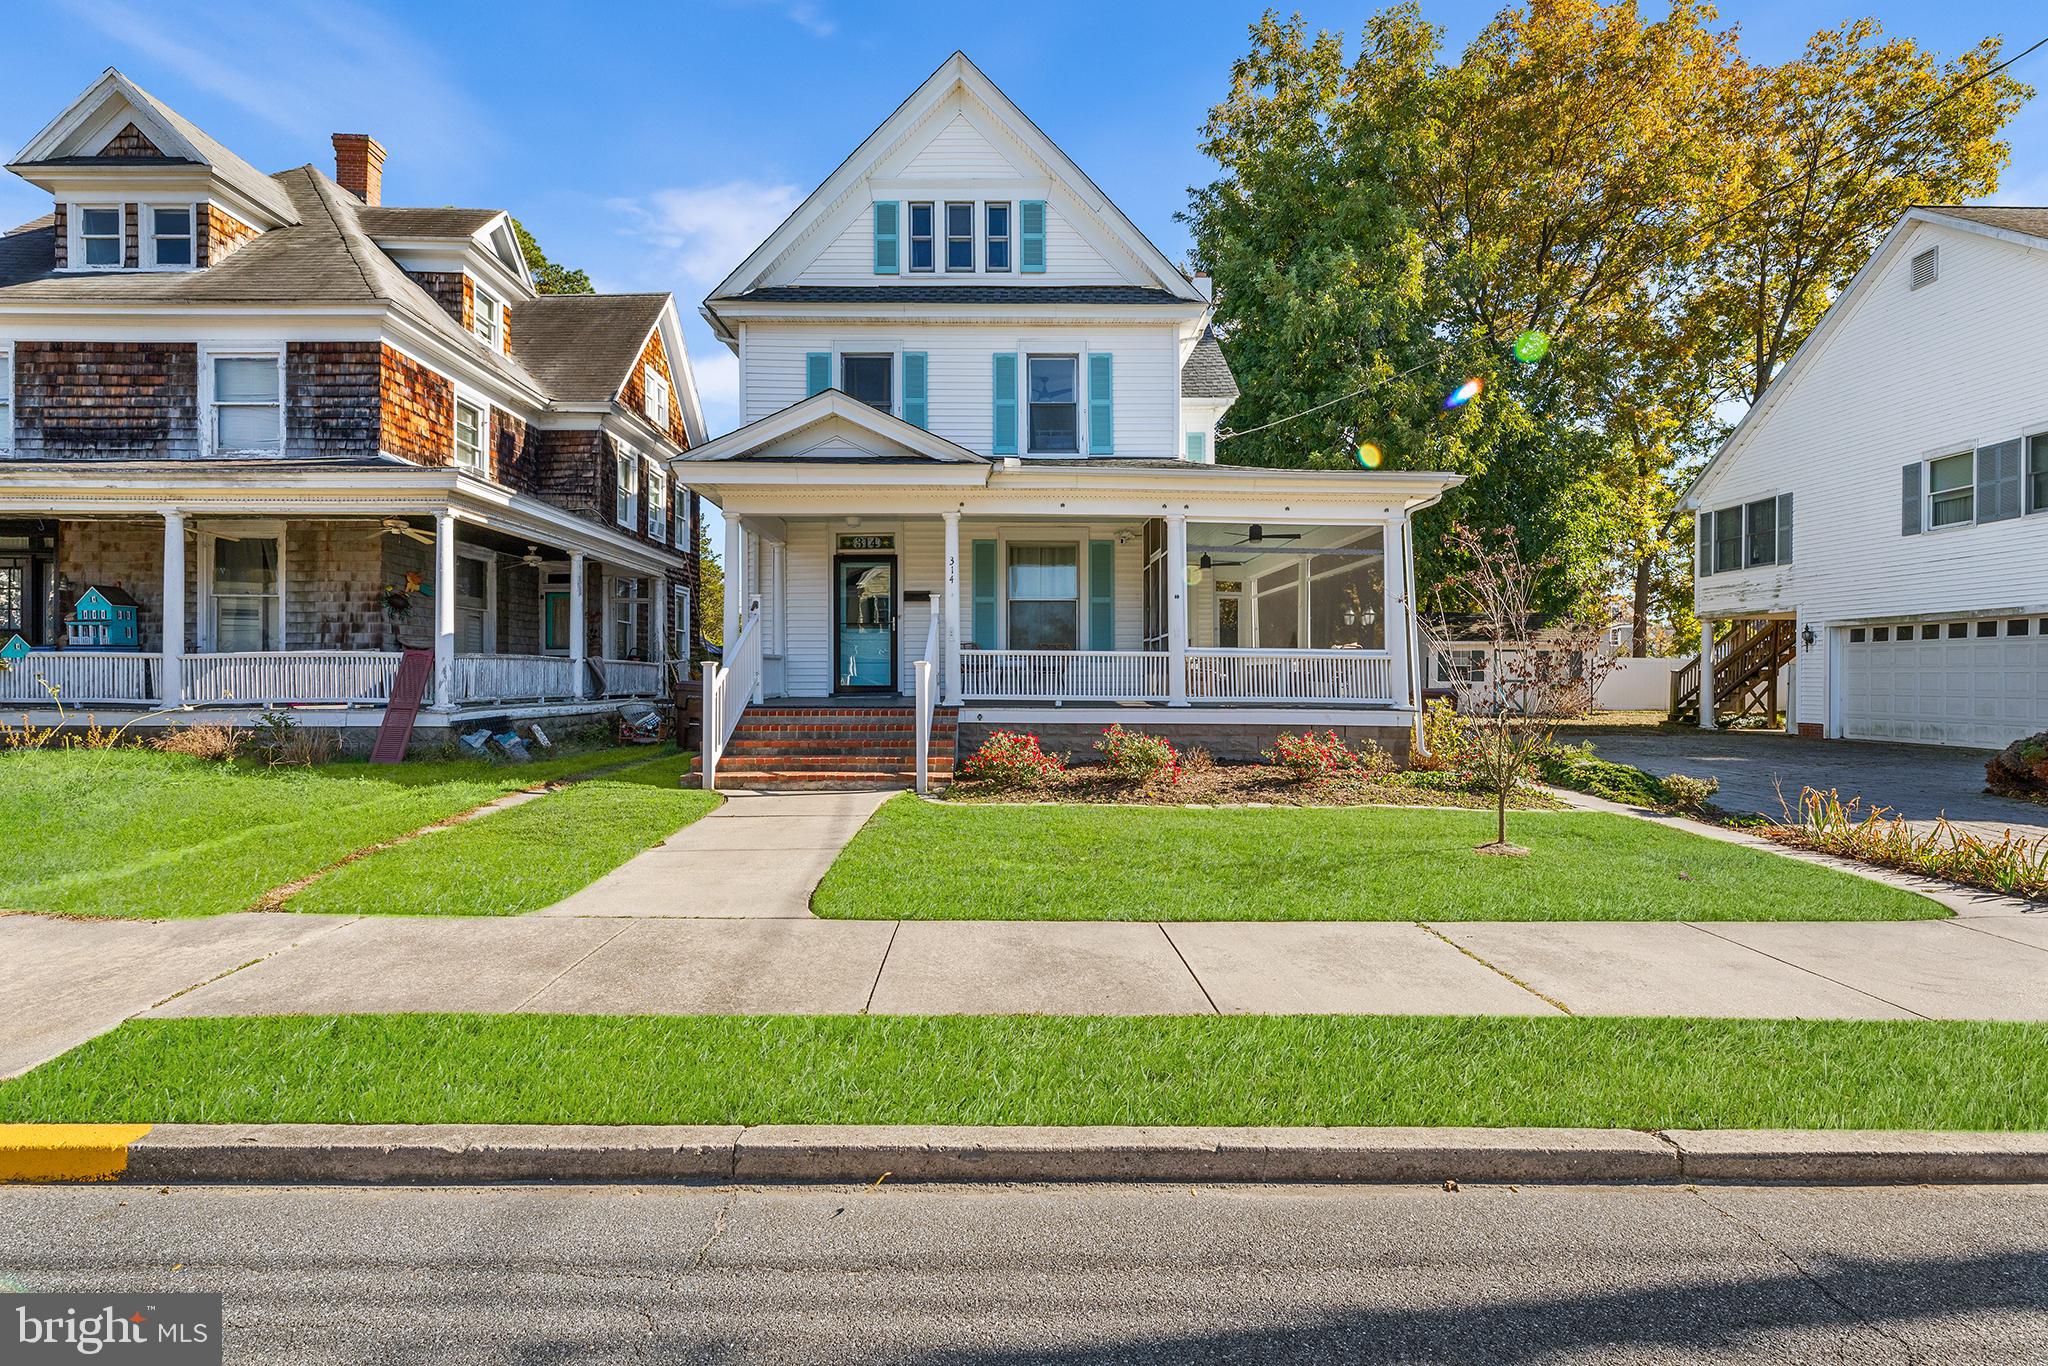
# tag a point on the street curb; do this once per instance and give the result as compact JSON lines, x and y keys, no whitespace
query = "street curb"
{"x":456,"y":1154}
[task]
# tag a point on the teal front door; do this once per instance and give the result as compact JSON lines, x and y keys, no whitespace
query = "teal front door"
{"x":864,"y":623}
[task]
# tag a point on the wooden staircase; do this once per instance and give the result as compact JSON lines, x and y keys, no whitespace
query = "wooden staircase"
{"x":785,"y":746}
{"x":1747,"y":661}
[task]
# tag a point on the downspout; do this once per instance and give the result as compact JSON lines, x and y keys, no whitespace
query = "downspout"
{"x":1416,"y":644}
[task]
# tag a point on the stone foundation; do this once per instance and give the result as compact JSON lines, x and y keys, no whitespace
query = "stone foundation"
{"x":1229,"y":741}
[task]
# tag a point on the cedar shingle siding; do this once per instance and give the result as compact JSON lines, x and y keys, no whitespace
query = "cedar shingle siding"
{"x":106,"y":400}
{"x":419,"y":411}
{"x":635,"y":395}
{"x":333,"y":405}
{"x":131,"y":142}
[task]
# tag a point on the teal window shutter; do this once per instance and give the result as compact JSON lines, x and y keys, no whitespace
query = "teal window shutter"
{"x":916,"y":366}
{"x":1031,"y":237}
{"x":817,"y":372}
{"x":885,"y":236}
{"x":1102,"y":595}
{"x":1005,"y":386}
{"x":984,"y":560}
{"x":1198,"y":446}
{"x":1101,"y":403}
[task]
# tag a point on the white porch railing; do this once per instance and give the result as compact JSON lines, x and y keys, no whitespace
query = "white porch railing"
{"x":927,"y":703}
{"x":279,"y":677}
{"x":1290,"y":676}
{"x":728,"y":688}
{"x":80,"y":677}
{"x":515,"y":678}
{"x":631,"y":677}
{"x":1067,"y":675}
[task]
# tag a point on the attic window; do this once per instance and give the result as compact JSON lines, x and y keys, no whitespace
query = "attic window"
{"x":99,"y":232}
{"x":654,"y":399}
{"x":486,"y":317}
{"x":170,"y":236}
{"x":1926,"y":267}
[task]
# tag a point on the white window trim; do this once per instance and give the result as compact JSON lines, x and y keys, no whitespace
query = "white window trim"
{"x":74,"y":232}
{"x":974,"y":211}
{"x":490,"y":607}
{"x":935,"y":235}
{"x":210,"y":535}
{"x":191,"y":212}
{"x":1927,"y":490}
{"x":655,"y":479}
{"x":2027,"y":439}
{"x":893,"y":351}
{"x":7,"y":399}
{"x":643,"y":614}
{"x":1080,"y":359}
{"x":494,"y":336}
{"x":1009,"y":239}
{"x":626,"y":497}
{"x":681,"y":625}
{"x":469,"y":398}
{"x":651,"y":382}
{"x":209,"y":428}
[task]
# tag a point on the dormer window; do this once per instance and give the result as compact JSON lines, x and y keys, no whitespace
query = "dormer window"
{"x":469,"y":436}
{"x":99,"y":237}
{"x":487,"y":318}
{"x":654,"y":398}
{"x":170,"y":237}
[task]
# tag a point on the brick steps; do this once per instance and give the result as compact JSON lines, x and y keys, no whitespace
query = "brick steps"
{"x":781,"y":747}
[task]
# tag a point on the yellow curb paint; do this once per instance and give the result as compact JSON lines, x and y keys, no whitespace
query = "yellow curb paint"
{"x":66,"y":1152}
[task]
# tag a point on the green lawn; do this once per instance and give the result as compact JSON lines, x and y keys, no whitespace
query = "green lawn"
{"x":919,"y":860}
{"x":1293,"y":1070}
{"x":132,"y":832}
{"x":521,"y":859}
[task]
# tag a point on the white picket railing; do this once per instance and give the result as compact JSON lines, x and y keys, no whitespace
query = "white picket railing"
{"x":278,"y":677}
{"x":927,"y":702}
{"x":515,"y":678}
{"x":1290,"y":676}
{"x":728,"y":688}
{"x":80,"y":677}
{"x":631,"y":677}
{"x":1070,"y":675}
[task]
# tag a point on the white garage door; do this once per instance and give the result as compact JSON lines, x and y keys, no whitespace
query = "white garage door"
{"x":1977,"y":682}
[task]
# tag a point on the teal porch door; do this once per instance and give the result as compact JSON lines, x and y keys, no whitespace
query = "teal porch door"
{"x":864,"y":623}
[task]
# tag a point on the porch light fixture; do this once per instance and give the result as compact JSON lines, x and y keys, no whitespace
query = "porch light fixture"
{"x":1258,"y":533}
{"x":1207,"y":563}
{"x":1807,"y":636}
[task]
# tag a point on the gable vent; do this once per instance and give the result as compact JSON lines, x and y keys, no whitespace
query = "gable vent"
{"x":1926,"y":267}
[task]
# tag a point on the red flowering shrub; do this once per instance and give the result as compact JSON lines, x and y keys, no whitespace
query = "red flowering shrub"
{"x":1134,"y":754}
{"x":1011,"y":759}
{"x":1312,"y":758}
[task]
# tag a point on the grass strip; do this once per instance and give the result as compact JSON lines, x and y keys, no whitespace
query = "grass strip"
{"x":135,"y":833}
{"x":1246,"y":1070}
{"x":522,"y":858}
{"x":918,"y":860}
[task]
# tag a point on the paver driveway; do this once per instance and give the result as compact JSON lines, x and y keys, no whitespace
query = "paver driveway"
{"x":1918,"y":782}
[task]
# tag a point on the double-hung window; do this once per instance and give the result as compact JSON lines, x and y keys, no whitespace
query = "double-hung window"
{"x":959,"y":237}
{"x":170,"y":236}
{"x":869,"y":379}
{"x":1952,"y":490}
{"x":486,"y":317}
{"x":922,"y":256}
{"x":6,"y":400}
{"x":1045,"y":597}
{"x":1762,"y":521}
{"x":626,"y":503}
{"x":629,"y":612}
{"x":1727,"y":540}
{"x":248,"y":404}
{"x":2037,"y":462}
{"x":681,"y":638}
{"x":245,"y":594}
{"x":471,"y":427}
{"x":657,"y":502}
{"x":654,"y":396}
{"x":1053,"y":388}
{"x":995,"y":252}
{"x":99,"y":235}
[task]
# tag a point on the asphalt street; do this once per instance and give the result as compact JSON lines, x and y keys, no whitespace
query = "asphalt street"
{"x":1076,"y":1276}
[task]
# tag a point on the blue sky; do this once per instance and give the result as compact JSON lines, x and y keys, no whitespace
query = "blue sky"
{"x":655,"y":144}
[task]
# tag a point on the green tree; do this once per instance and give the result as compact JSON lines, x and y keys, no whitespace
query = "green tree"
{"x":549,"y":277}
{"x":710,"y":591}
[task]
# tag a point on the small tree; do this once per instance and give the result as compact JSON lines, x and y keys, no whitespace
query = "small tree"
{"x":1512,"y":715}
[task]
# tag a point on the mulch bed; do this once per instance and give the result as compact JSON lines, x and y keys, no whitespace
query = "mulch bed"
{"x":1237,"y":785}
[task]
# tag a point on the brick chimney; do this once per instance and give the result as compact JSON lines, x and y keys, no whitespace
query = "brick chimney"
{"x":359,"y":166}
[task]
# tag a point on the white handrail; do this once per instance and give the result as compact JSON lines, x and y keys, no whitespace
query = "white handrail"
{"x":1068,"y":675}
{"x":80,"y":677}
{"x":728,"y":689}
{"x":927,"y":702}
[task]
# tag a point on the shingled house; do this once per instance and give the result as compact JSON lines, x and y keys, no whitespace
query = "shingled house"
{"x":305,"y":429}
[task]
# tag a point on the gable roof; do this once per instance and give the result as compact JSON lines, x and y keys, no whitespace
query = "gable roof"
{"x":1206,"y":373}
{"x":391,"y":221}
{"x":582,"y":346}
{"x":174,"y":135}
{"x":894,"y":440}
{"x":955,"y":73}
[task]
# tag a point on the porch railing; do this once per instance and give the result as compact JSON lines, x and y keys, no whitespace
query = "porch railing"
{"x":81,"y":677}
{"x":631,"y":677}
{"x":1290,"y":676}
{"x":280,"y":677}
{"x":728,"y":688}
{"x":514,"y":678}
{"x":1069,"y":675}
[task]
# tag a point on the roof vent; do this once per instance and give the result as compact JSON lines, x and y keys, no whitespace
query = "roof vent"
{"x":1926,"y":267}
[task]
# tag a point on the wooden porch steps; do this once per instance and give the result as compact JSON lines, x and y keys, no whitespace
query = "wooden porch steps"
{"x":785,"y":746}
{"x":1746,"y":665}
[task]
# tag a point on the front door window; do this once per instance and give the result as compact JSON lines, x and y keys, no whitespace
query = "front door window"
{"x":1045,"y":596}
{"x":864,"y":609}
{"x":247,"y":611}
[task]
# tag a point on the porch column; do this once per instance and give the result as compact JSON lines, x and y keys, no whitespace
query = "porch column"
{"x":1400,"y":640}
{"x":170,"y":677}
{"x":579,"y":645}
{"x":1177,"y":610}
{"x":735,"y":578}
{"x":657,"y":648}
{"x":444,"y":610}
{"x":949,"y":648}
{"x":1706,"y":674}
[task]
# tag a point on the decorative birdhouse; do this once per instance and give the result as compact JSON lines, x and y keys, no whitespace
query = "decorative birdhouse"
{"x":102,"y":619}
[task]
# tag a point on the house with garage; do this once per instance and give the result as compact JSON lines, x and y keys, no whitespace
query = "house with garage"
{"x":1909,"y":435}
{"x":300,"y":431}
{"x":978,"y":467}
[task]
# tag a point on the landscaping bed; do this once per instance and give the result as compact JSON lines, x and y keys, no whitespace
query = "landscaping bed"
{"x":1216,"y":784}
{"x":924,"y":860}
{"x":1233,"y":1070}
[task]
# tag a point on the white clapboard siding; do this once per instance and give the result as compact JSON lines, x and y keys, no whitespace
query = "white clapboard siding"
{"x":958,"y":149}
{"x":959,"y":379}
{"x":1902,"y":375}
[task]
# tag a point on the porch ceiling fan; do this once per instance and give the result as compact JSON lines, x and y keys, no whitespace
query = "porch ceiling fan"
{"x":398,"y":526}
{"x":533,"y":559}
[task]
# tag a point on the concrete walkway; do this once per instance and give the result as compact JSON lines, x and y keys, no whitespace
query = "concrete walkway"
{"x":759,"y":856}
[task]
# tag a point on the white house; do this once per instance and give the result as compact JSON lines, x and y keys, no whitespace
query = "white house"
{"x":1910,"y":432}
{"x":981,"y":412}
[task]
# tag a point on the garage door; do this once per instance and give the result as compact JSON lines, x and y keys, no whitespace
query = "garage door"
{"x":1976,"y":682}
